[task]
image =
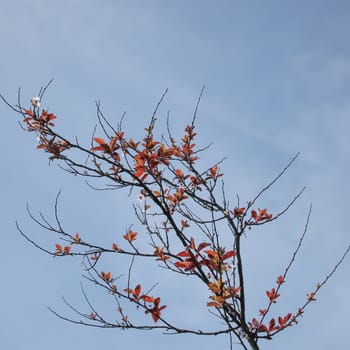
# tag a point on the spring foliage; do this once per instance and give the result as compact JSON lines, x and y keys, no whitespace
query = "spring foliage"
{"x":180,"y":208}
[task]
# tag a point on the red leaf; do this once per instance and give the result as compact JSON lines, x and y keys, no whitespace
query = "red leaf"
{"x":272,"y":325}
{"x":272,"y":295}
{"x":283,"y":321}
{"x":98,"y":148}
{"x":202,"y":246}
{"x":280,"y":280}
{"x":137,"y":290}
{"x":287,"y":317}
{"x":228,"y":254}
{"x":184,"y":223}
{"x":238,"y":212}
{"x":184,"y":253}
{"x":263,"y":328}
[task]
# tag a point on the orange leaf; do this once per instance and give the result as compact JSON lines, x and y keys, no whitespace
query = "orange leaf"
{"x":262,"y":215}
{"x":214,"y":303}
{"x":99,"y":140}
{"x":66,"y":249}
{"x":160,"y":253}
{"x":132,"y":144}
{"x":139,"y":171}
{"x":179,"y":173}
{"x":76,"y":239}
{"x":215,"y":287}
{"x":47,"y":116}
{"x":147,"y":298}
{"x":106,"y":276}
{"x":58,"y":248}
{"x":183,"y":264}
{"x":135,"y":292}
{"x":130,"y":236}
{"x":211,"y":253}
{"x":214,"y":172}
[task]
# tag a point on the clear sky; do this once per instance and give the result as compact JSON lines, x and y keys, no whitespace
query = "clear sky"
{"x":277,"y":76}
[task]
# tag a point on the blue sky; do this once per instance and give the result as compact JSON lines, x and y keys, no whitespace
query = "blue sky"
{"x":277,"y":76}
